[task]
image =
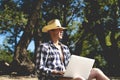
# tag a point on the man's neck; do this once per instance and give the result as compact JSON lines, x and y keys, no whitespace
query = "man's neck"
{"x":56,"y":43}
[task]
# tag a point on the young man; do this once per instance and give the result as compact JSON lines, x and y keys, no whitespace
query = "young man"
{"x":53,"y":56}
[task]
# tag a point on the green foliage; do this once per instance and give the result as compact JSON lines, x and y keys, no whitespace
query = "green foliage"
{"x":73,"y":30}
{"x":117,"y":37}
{"x":108,"y":42}
{"x":6,"y":56}
{"x":86,"y":48}
{"x":30,"y":55}
{"x":12,"y":22}
{"x":100,"y":61}
{"x":91,"y":44}
{"x":10,"y":18}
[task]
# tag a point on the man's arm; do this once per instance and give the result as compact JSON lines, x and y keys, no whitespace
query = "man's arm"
{"x":41,"y":59}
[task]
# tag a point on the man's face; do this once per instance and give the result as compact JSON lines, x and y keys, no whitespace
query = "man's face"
{"x":57,"y":33}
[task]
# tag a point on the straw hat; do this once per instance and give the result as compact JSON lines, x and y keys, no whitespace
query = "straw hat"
{"x":53,"y":24}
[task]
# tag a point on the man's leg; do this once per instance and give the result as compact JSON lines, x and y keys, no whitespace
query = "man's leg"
{"x":97,"y":74}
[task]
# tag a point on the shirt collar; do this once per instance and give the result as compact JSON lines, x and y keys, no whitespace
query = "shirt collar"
{"x":51,"y":43}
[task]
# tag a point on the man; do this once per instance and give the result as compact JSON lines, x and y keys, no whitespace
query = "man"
{"x":53,"y":56}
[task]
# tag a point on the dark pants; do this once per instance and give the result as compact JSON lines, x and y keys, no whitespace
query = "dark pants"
{"x":54,"y":78}
{"x":42,"y":76}
{"x":48,"y":78}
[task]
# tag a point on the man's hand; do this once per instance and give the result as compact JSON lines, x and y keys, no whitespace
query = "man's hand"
{"x":79,"y":78}
{"x":57,"y":72}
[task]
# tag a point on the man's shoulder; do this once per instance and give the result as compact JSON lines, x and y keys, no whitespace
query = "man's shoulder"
{"x":63,"y":45}
{"x":45,"y":44}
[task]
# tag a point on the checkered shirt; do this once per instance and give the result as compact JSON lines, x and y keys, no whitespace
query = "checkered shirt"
{"x":48,"y":57}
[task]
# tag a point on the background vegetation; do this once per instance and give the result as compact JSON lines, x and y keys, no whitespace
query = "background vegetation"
{"x":93,"y":31}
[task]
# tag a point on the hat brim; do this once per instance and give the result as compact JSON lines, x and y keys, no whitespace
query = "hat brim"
{"x":48,"y":28}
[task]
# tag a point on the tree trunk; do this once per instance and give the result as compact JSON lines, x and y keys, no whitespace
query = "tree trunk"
{"x":37,"y":39}
{"x":21,"y":61}
{"x":110,"y":53}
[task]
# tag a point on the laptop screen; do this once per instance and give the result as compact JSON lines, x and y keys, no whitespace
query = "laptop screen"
{"x":79,"y":66}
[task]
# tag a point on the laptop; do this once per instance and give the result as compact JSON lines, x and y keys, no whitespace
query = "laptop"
{"x":79,"y":66}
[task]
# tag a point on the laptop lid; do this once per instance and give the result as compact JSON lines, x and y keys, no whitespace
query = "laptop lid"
{"x":79,"y":66}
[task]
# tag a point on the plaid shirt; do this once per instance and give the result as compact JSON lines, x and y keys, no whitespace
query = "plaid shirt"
{"x":48,"y":57}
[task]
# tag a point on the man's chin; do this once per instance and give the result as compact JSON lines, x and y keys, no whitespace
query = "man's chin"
{"x":60,"y":37}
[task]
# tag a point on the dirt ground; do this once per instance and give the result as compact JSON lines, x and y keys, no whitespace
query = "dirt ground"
{"x":6,"y":77}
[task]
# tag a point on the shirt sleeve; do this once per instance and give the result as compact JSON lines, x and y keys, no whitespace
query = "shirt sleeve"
{"x":68,"y":55}
{"x":41,"y":59}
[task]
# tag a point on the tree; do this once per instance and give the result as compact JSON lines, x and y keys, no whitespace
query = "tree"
{"x":20,"y":54}
{"x":102,"y":21}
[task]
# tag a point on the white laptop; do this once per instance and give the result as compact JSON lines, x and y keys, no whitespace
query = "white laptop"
{"x":79,"y":66}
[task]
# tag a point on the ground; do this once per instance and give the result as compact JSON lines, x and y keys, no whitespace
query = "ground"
{"x":6,"y":77}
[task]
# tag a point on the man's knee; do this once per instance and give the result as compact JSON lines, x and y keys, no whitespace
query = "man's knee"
{"x":96,"y":70}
